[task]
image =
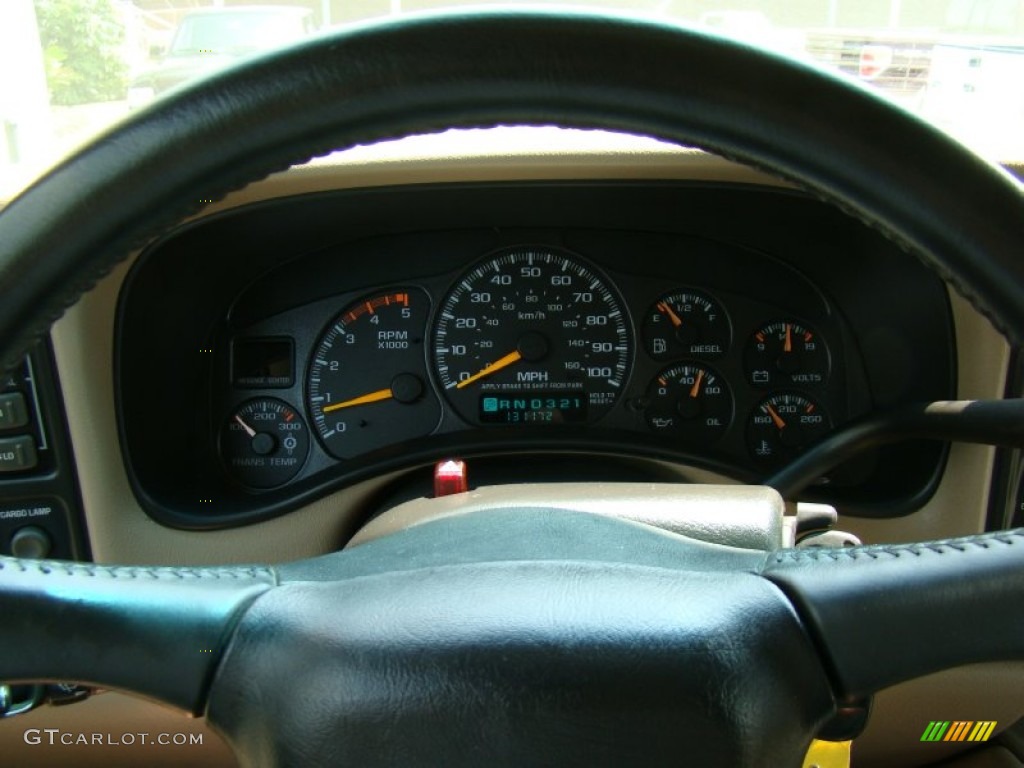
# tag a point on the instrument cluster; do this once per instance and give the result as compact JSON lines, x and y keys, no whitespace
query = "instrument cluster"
{"x":647,"y":332}
{"x":530,"y":341}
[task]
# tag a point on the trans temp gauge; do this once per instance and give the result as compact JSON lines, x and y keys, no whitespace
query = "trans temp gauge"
{"x":532,"y":336}
{"x":264,"y":443}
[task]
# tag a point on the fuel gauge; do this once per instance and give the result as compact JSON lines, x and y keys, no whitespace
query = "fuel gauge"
{"x":686,"y":324}
{"x":690,"y":401}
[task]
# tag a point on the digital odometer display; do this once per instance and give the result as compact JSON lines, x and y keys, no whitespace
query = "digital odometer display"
{"x":532,"y":408}
{"x":531,"y":323}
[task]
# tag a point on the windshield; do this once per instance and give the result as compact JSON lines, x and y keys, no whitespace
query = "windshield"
{"x":74,"y":67}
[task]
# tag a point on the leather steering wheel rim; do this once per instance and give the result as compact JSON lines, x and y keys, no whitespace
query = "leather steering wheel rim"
{"x":962,"y":216}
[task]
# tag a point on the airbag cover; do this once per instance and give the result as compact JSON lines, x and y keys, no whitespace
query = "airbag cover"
{"x":518,"y":662}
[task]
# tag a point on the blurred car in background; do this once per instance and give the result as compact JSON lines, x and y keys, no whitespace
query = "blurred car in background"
{"x":209,"y":39}
{"x":894,"y":60}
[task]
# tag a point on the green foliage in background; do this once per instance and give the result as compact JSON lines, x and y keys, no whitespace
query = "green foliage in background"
{"x":82,"y":49}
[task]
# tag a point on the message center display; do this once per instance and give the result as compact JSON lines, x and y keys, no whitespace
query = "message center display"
{"x":533,"y":408}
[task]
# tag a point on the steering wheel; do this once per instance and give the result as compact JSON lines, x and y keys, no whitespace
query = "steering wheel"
{"x":517,"y":637}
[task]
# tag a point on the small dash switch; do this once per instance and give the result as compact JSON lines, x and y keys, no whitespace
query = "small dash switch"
{"x":13,"y":413}
{"x":18,"y":454}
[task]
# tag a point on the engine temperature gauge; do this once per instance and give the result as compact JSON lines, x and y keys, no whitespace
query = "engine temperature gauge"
{"x":686,"y":323}
{"x":690,"y":401}
{"x":783,"y":424}
{"x":785,"y":354}
{"x":264,"y":443}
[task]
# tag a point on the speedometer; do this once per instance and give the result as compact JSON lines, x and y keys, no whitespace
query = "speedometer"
{"x":532,"y":336}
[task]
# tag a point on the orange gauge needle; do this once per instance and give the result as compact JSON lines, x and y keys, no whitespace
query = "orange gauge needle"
{"x":788,"y":347}
{"x":497,"y":365}
{"x":776,"y":418}
{"x":695,"y":389}
{"x":664,"y":307}
{"x":372,"y":397}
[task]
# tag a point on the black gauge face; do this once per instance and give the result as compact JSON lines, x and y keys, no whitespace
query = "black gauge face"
{"x":686,"y":324}
{"x":786,"y":354}
{"x":783,"y":425}
{"x":689,"y":401}
{"x":367,"y":384}
{"x":264,"y":443}
{"x":532,"y":336}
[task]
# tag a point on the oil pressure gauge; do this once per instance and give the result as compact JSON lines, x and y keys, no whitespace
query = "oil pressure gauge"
{"x":691,"y":402}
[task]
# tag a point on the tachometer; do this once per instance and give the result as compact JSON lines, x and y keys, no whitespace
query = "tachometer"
{"x":367,"y":381}
{"x":532,"y":335}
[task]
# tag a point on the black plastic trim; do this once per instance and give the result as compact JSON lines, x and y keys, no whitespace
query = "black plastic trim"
{"x":54,"y":483}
